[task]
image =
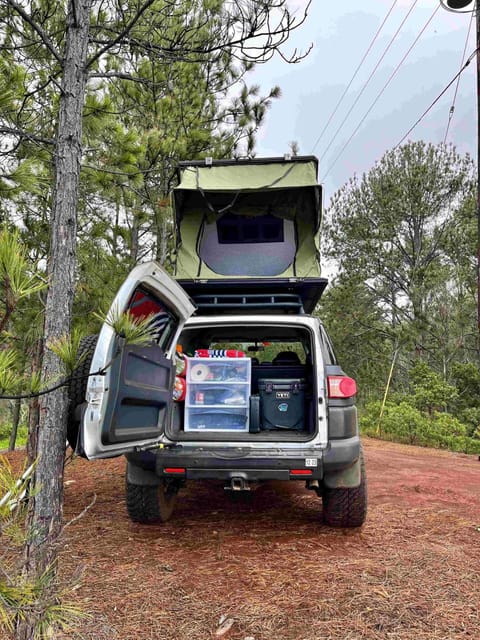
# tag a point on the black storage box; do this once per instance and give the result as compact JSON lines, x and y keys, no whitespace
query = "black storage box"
{"x":254,"y":425}
{"x":282,"y":404}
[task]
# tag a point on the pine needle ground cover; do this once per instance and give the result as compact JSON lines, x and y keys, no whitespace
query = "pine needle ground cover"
{"x":268,"y":564}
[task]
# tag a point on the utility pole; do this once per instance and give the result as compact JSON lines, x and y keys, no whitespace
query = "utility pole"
{"x":456,"y":5}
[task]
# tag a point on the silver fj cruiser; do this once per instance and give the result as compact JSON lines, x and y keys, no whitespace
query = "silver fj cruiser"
{"x":258,"y":393}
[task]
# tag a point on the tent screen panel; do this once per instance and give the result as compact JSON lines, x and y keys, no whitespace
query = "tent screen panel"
{"x":232,"y":229}
{"x":248,"y":246}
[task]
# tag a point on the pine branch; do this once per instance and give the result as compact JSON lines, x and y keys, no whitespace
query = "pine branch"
{"x":24,"y":135}
{"x":37,"y":28}
{"x":121,"y":35}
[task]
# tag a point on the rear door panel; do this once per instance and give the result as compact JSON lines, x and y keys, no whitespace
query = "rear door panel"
{"x":129,"y":403}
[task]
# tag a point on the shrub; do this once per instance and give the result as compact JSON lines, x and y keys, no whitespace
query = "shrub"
{"x":401,"y":422}
{"x":446,"y":432}
{"x":471,"y":419}
{"x":404,"y":423}
{"x":430,"y":390}
{"x":5,"y":430}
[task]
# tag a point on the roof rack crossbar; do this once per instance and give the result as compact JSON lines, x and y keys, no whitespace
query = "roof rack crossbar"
{"x":260,"y":301}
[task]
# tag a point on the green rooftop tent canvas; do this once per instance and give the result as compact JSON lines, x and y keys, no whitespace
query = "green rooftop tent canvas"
{"x":248,"y":218}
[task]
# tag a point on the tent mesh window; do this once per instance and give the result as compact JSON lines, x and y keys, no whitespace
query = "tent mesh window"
{"x":233,"y":229}
{"x":246,"y":247}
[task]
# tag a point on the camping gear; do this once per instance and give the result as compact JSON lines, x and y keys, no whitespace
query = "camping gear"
{"x":282,"y":404}
{"x":218,"y":391}
{"x":179,"y":389}
{"x":254,"y":414}
{"x":219,"y":353}
{"x":248,"y":218}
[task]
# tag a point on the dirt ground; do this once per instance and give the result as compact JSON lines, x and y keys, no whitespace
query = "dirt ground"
{"x":271,"y":568}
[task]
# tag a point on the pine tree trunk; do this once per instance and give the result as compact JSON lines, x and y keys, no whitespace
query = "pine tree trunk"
{"x":46,"y":512}
{"x":162,"y":239}
{"x":15,"y":420}
{"x":33,"y":409}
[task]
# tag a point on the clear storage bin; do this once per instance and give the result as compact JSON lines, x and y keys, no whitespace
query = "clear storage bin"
{"x":218,"y":370}
{"x":218,"y":394}
{"x":216,"y":419}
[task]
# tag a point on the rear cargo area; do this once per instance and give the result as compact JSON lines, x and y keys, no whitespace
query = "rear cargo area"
{"x":245,"y":381}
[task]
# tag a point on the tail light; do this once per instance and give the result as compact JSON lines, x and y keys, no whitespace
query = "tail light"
{"x":341,"y":387}
{"x":301,"y":472}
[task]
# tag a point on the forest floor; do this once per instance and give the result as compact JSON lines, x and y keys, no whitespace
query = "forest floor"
{"x":266,"y":568}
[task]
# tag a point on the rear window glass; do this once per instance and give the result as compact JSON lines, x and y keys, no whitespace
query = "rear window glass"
{"x":144,"y":304}
{"x":287,"y":353}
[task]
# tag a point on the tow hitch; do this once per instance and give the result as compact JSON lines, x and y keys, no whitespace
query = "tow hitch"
{"x":237,"y":483}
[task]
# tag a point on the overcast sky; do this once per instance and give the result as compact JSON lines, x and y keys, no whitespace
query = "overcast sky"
{"x":341,"y":31}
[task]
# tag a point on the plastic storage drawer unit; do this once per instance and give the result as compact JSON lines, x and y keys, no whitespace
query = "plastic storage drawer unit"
{"x":218,"y":394}
{"x":282,"y":404}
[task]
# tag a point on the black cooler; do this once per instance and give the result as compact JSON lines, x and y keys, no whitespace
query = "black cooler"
{"x":282,"y":404}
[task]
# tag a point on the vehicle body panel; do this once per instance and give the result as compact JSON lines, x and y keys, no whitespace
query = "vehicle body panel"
{"x":103,"y":388}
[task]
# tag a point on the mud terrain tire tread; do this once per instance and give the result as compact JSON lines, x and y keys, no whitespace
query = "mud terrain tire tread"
{"x":346,"y":507}
{"x":149,"y":504}
{"x":78,"y":386}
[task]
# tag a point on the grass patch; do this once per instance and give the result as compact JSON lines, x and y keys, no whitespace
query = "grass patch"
{"x":21,"y":441}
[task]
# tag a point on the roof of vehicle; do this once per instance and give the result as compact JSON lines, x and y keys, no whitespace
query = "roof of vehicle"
{"x":258,"y":318}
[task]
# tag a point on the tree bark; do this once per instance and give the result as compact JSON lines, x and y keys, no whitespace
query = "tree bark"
{"x":15,"y":420}
{"x":162,"y":238}
{"x":33,"y":409}
{"x":46,"y":511}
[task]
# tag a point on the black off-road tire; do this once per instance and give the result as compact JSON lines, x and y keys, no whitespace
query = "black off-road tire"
{"x":78,"y":387}
{"x":346,"y":507}
{"x":149,"y":504}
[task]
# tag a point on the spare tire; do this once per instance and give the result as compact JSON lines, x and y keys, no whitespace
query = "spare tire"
{"x":78,"y":387}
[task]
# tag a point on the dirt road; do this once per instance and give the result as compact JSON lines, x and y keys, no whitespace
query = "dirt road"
{"x":269,"y":564}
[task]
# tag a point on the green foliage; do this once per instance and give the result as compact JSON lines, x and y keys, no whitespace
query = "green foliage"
{"x":466,"y":376}
{"x":66,"y":348}
{"x":134,"y":330}
{"x":17,"y":278}
{"x":5,"y":431}
{"x":22,"y":598}
{"x":398,"y":232}
{"x":8,"y":377}
{"x":363,"y":343}
{"x":405,"y":423}
{"x":470,"y":417}
{"x":429,"y":390}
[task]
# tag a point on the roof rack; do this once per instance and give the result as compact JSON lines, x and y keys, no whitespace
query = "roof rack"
{"x":264,"y":295}
{"x":264,"y":302}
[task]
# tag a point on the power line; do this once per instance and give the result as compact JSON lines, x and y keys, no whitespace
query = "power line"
{"x":365,"y":85}
{"x":394,"y":73}
{"x":470,"y":58}
{"x":354,"y":75}
{"x":452,"y":108}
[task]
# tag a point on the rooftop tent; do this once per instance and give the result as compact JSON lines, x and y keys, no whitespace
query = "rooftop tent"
{"x":248,"y":218}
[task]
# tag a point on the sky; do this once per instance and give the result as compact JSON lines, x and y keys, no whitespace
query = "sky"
{"x":341,"y":31}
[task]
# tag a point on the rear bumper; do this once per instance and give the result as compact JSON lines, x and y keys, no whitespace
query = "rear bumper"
{"x":192,"y":463}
